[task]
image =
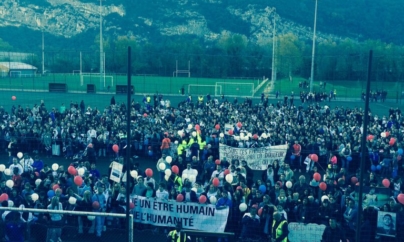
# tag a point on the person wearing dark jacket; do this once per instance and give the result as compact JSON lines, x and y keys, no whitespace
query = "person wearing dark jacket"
{"x":333,"y":233}
{"x":280,"y":229}
{"x":251,"y":224}
{"x":189,"y":195}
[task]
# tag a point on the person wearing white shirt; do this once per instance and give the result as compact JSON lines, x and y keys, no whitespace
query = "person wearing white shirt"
{"x":26,"y":163}
{"x":15,"y":164}
{"x":91,"y":133}
{"x":188,"y":173}
{"x":161,"y":192}
{"x":219,"y":174}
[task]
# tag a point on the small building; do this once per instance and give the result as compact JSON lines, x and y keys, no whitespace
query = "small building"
{"x":17,"y":69}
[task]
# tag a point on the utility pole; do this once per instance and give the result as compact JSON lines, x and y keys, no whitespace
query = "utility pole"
{"x":43,"y":53}
{"x":313,"y":49}
{"x":273,"y":74}
{"x":101,"y":47}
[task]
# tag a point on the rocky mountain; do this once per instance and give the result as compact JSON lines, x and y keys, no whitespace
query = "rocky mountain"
{"x":75,"y":24}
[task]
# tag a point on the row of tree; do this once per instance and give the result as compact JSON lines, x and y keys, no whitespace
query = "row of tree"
{"x":233,"y":55}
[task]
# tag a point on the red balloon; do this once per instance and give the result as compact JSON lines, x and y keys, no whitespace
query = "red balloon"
{"x":131,"y":205}
{"x":230,"y":132}
{"x":386,"y":183}
{"x":370,"y":137}
{"x":323,"y":186}
{"x":14,"y":97}
{"x":197,"y":127}
{"x":180,"y":198}
{"x":215,"y":182}
{"x":217,"y":126}
{"x":37,"y":174}
{"x":56,"y":186}
{"x":239,"y":125}
{"x":387,"y":133}
{"x":260,"y":211}
{"x":202,"y":199}
{"x":227,"y":171}
{"x":149,"y":172}
{"x":5,"y":196}
{"x":96,"y":205}
{"x":115,"y":148}
{"x":217,"y":162}
{"x":255,"y":136}
{"x":357,"y":184}
{"x":145,"y":115}
{"x":354,"y":180}
{"x":400,"y":198}
{"x":314,"y":157}
{"x":72,"y":171}
{"x":334,"y":160}
{"x":78,"y":180}
{"x":175,"y":169}
{"x":317,"y":176}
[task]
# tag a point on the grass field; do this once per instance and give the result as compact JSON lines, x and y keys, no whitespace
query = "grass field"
{"x":196,"y":86}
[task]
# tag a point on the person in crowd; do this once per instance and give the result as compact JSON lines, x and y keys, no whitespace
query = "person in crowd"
{"x":333,"y":232}
{"x":280,"y":229}
{"x":250,"y":224}
{"x":55,"y":230}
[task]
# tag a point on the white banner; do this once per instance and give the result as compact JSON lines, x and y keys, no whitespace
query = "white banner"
{"x":299,"y":232}
{"x":167,"y":213}
{"x":257,"y":158}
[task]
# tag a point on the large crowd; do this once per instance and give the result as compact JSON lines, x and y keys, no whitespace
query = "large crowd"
{"x":314,"y":183}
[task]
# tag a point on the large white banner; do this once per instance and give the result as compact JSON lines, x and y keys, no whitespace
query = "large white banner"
{"x":257,"y":158}
{"x":299,"y":232}
{"x":167,"y":213}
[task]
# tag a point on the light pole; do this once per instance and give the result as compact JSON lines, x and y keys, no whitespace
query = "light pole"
{"x":273,"y":75}
{"x":43,"y":53}
{"x":101,"y":47}
{"x":313,"y":50}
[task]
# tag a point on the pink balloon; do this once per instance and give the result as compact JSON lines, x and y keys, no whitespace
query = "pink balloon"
{"x":115,"y":148}
{"x":149,"y":172}
{"x":314,"y":157}
{"x":215,"y":182}
{"x":386,"y":183}
{"x":400,"y":198}
{"x":180,"y":198}
{"x":78,"y":180}
{"x":202,"y":199}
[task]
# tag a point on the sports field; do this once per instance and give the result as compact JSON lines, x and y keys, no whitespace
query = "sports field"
{"x":242,"y":87}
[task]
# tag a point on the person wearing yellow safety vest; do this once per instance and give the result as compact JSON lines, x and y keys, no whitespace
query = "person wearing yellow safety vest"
{"x":279,"y":228}
{"x":175,"y":235}
{"x":181,"y":149}
{"x":148,"y":99}
{"x":200,"y":99}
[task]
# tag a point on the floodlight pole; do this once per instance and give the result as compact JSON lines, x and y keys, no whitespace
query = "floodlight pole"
{"x":313,"y":50}
{"x":43,"y":53}
{"x":101,"y":46}
{"x":273,"y":75}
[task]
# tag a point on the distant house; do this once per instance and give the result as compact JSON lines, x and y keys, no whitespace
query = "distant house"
{"x":17,"y":69}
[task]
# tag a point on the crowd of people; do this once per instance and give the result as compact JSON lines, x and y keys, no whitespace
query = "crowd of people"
{"x":289,"y":190}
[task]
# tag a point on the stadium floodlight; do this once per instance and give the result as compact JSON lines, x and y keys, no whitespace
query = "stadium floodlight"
{"x":313,"y":49}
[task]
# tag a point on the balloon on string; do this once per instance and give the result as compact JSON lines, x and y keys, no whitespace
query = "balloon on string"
{"x":72,"y":171}
{"x":180,"y":198}
{"x":354,"y":180}
{"x":72,"y":200}
{"x":400,"y":198}
{"x":221,"y":135}
{"x":168,"y":172}
{"x":2,"y":167}
{"x":134,"y":174}
{"x":197,"y":127}
{"x":149,"y":172}
{"x":242,"y":207}
{"x":7,"y":172}
{"x":239,"y":124}
{"x":20,"y":155}
{"x":314,"y":157}
{"x":324,"y":197}
{"x":383,"y":134}
{"x":162,"y":166}
{"x":230,"y":132}
{"x":175,"y":169}
{"x":131,"y":205}
{"x":166,"y":177}
{"x":96,"y":205}
{"x":334,"y":160}
{"x":56,"y":186}
{"x":115,"y":148}
{"x":38,"y":182}
{"x":387,"y":133}
{"x":292,"y":157}
{"x":34,"y":196}
{"x":212,"y":200}
{"x":317,"y":176}
{"x":55,"y":167}
{"x":378,"y":167}
{"x":217,"y":162}
{"x":226,"y":172}
{"x":217,"y":126}
{"x":370,"y":137}
{"x":215,"y":182}
{"x":323,"y":186}
{"x":400,"y":151}
{"x":255,"y":136}
{"x":51,"y":193}
{"x":5,"y":196}
{"x":373,"y":168}
{"x":81,"y":171}
{"x":202,"y":199}
{"x":78,"y":180}
{"x":392,"y":141}
{"x":169,"y":159}
{"x":10,"y":184}
{"x":229,"y":178}
{"x":349,"y":158}
{"x":262,"y":189}
{"x":289,"y":184}
{"x":150,"y":153}
{"x":386,"y":183}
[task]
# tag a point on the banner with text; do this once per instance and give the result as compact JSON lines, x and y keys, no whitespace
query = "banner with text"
{"x":300,"y":232}
{"x":257,"y":158}
{"x":168,"y":213}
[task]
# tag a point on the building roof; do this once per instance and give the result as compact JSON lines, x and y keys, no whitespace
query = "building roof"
{"x":16,"y":66}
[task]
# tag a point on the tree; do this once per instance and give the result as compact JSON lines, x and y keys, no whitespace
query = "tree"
{"x":289,"y":55}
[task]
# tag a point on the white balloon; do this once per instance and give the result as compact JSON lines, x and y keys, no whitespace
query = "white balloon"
{"x":213,"y":200}
{"x":221,"y":135}
{"x":162,"y":166}
{"x":20,"y":155}
{"x":91,"y":218}
{"x":133,"y":174}
{"x":323,"y":198}
{"x":2,"y":167}
{"x":242,"y":135}
{"x":193,"y":134}
{"x":37,"y":182}
{"x":72,"y":200}
{"x":169,"y":159}
{"x":194,"y":189}
{"x":264,"y":135}
{"x":179,"y":132}
{"x":81,"y":171}
{"x":166,"y":177}
{"x":229,"y":178}
{"x":7,"y":172}
{"x":289,"y":184}
{"x":55,"y":167}
{"x":237,"y":138}
{"x":10,"y":184}
{"x":10,"y":204}
{"x":184,"y":176}
{"x":176,"y":142}
{"x":383,"y":134}
{"x":189,"y":126}
{"x":168,"y":172}
{"x":34,"y":197}
{"x":243,"y":207}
